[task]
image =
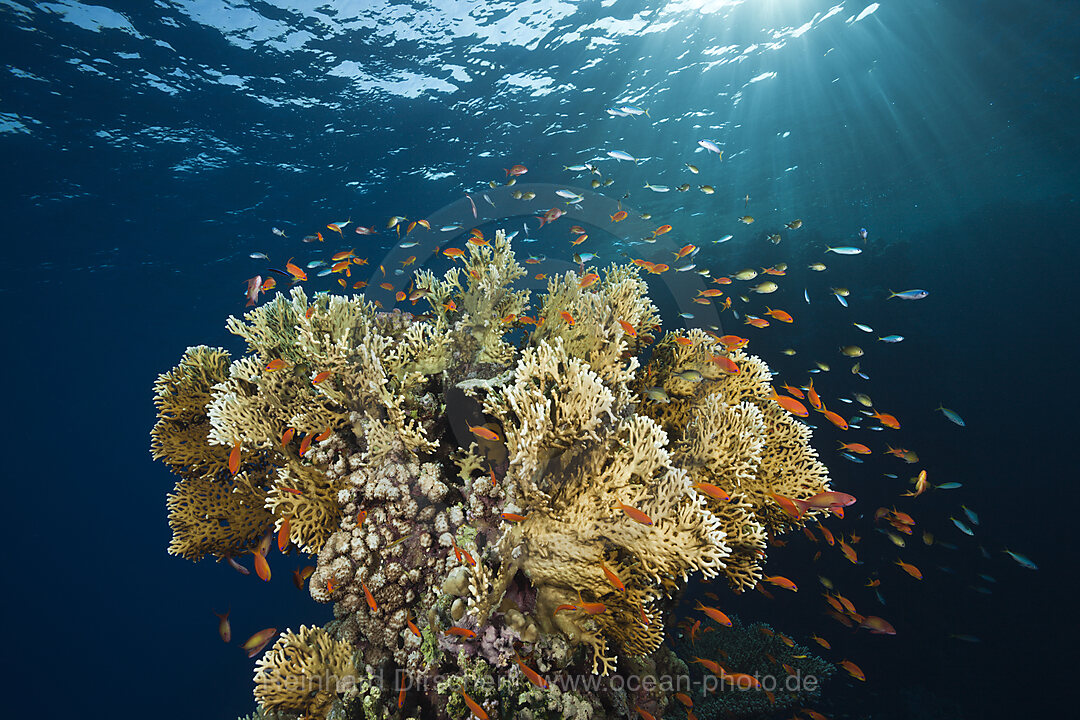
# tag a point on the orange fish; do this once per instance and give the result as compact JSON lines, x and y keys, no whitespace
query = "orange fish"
{"x":323,"y":435}
{"x":401,"y":692}
{"x":790,"y":404}
{"x":834,"y":418}
{"x":255,"y":644}
{"x":516,"y":170}
{"x":588,"y":280}
{"x":809,"y":534}
{"x":234,"y":458}
{"x":612,"y":577}
{"x":793,"y":391}
{"x":812,"y":396}
{"x":224,"y":629}
{"x":712,"y":491}
{"x":857,"y":448}
{"x":628,"y":328}
{"x":275,"y":364}
{"x":714,"y":614}
{"x":283,"y":535}
{"x":369,"y":597}
{"x":295,"y":271}
{"x":726,"y":364}
{"x":483,"y":433}
{"x":579,"y":239}
{"x":733,"y":342}
{"x":710,"y":665}
{"x":453,"y":253}
{"x":711,"y":292}
{"x":849,"y":553}
{"x":619,"y":216}
{"x":684,"y":251}
{"x":787,"y":505}
{"x":826,"y":534}
{"x":412,"y":626}
{"x":461,"y":632}
{"x":567,"y":317}
{"x":305,"y":444}
{"x":821,"y":641}
{"x":684,"y":699}
{"x":512,"y":517}
{"x":360,"y":518}
{"x":262,"y":568}
{"x":473,"y":706}
{"x":756,"y":321}
{"x":634,"y":514}
{"x":910,"y":569}
{"x":853,"y":670}
{"x":338,"y":256}
{"x":645,"y":714}
{"x":887,"y":420}
{"x":268,"y":284}
{"x":534,"y":677}
{"x":287,"y":436}
{"x":684,"y":341}
{"x":779,"y":315}
{"x":661,"y":230}
{"x":320,"y":377}
{"x":781,"y":582}
{"x":450,"y":306}
{"x":401,"y":296}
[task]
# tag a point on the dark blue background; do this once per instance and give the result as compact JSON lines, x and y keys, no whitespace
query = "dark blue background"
{"x":951,"y":137}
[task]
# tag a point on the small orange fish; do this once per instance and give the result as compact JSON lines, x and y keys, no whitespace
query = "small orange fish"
{"x":853,"y":670}
{"x":224,"y":629}
{"x":684,"y":699}
{"x":714,"y":614}
{"x":401,"y":296}
{"x":473,"y":706}
{"x":262,"y":568}
{"x":255,"y":644}
{"x":733,"y":342}
{"x":661,"y":230}
{"x":310,"y":311}
{"x":756,"y":321}
{"x":461,"y":632}
{"x":234,"y":458}
{"x":628,"y":328}
{"x":412,"y":626}
{"x":887,"y":420}
{"x":834,"y":418}
{"x":821,"y":641}
{"x":781,"y":582}
{"x":369,"y":597}
{"x":619,"y":216}
{"x":320,"y":377}
{"x":401,"y":692}
{"x":325,"y":434}
{"x":712,"y":491}
{"x":790,"y":404}
{"x":450,"y":306}
{"x":710,"y":293}
{"x":710,"y":665}
{"x":684,"y":251}
{"x":512,"y":517}
{"x":645,"y":714}
{"x":484,"y":434}
{"x":534,"y":677}
{"x":305,"y":444}
{"x":910,"y":569}
{"x":589,"y":280}
{"x":579,"y":239}
{"x":283,"y":535}
{"x":287,"y":436}
{"x":295,"y":271}
{"x":793,"y":391}
{"x":612,"y":577}
{"x":684,"y":341}
{"x":453,"y":253}
{"x":634,"y":514}
{"x":360,"y":518}
{"x":812,"y":396}
{"x":857,"y":448}
{"x":779,"y":315}
{"x":567,"y":317}
{"x":275,"y":364}
{"x":849,"y":553}
{"x":726,"y":364}
{"x":825,"y":533}
{"x":338,"y":256}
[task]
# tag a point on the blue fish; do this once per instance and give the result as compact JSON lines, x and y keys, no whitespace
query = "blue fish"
{"x":970,"y":514}
{"x":892,"y":338}
{"x":949,"y":486}
{"x":846,"y":250}
{"x":908,"y":294}
{"x":962,"y":527}
{"x":951,"y":414}
{"x":620,"y":156}
{"x":1024,"y":562}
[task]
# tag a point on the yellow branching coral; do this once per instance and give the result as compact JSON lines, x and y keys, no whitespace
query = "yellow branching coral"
{"x":304,"y":672}
{"x":486,"y":302}
{"x":211,"y":516}
{"x":181,"y":436}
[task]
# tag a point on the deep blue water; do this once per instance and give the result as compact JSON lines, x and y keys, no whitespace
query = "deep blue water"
{"x":149,"y":148}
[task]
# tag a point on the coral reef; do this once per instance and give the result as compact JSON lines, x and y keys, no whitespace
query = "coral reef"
{"x":497,"y":502}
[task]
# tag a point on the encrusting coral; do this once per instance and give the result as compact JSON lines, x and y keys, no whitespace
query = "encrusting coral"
{"x":484,"y":490}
